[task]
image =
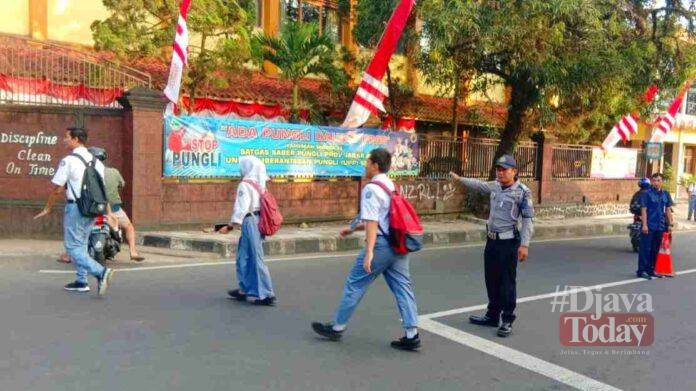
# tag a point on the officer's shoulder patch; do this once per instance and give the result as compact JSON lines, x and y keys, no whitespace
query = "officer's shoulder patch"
{"x":368,"y":194}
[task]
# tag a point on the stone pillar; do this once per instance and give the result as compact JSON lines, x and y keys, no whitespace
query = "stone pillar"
{"x":143,"y":129}
{"x":545,"y":174}
{"x":38,"y":19}
{"x":271,"y":20}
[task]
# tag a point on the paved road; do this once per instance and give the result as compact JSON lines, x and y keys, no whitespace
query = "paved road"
{"x":173,"y":328}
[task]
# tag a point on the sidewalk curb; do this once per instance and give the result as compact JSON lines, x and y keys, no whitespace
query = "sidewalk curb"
{"x":274,"y":247}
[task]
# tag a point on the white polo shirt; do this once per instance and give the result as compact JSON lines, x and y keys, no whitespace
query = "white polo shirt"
{"x":71,"y":170}
{"x":247,"y":201}
{"x":375,"y":203}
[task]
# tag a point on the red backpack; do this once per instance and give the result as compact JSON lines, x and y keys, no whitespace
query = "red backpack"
{"x":405,"y":231}
{"x":271,"y":219}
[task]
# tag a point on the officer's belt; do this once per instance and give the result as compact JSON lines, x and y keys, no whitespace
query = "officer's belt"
{"x":502,"y":235}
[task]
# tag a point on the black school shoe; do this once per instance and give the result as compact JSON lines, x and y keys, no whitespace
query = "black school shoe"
{"x":484,"y":320}
{"x":326,"y":330}
{"x":407,"y":343}
{"x":505,"y":329}
{"x":237,"y":295}
{"x":269,"y":301}
{"x":77,"y":287}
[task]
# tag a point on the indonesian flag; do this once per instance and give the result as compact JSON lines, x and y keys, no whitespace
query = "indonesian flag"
{"x":628,"y":125}
{"x":179,"y":58}
{"x":667,"y":120}
{"x":371,"y":91}
{"x":622,"y":131}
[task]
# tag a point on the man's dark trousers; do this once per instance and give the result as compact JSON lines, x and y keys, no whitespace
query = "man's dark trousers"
{"x":500,"y":266}
{"x":649,"y":247}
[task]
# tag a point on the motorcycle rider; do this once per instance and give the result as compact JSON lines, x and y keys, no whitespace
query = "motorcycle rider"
{"x":634,"y":206}
{"x":117,"y":218}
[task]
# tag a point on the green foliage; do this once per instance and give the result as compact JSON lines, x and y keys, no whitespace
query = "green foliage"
{"x":219,"y":31}
{"x":301,"y":51}
{"x":572,"y":65}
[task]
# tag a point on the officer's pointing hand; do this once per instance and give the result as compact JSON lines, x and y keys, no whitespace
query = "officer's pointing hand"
{"x":522,"y":253}
{"x":454,"y":176}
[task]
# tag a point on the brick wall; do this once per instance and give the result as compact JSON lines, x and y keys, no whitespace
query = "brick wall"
{"x":23,"y":188}
{"x":192,"y":203}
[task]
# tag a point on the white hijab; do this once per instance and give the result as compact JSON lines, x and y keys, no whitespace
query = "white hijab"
{"x":252,"y":168}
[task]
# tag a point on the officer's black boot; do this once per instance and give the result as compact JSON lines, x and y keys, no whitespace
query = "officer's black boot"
{"x":485,"y":320}
{"x":505,"y":329}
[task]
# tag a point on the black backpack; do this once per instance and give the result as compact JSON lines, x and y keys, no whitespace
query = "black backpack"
{"x":92,"y":201}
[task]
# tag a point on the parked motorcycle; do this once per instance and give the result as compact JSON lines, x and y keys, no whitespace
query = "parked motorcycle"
{"x":634,"y":231}
{"x":104,"y":241}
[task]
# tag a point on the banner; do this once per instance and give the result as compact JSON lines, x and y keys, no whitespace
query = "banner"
{"x":616,"y":163}
{"x":203,"y":147}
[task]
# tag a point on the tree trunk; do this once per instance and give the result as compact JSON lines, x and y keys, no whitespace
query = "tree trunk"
{"x":455,"y":106}
{"x":517,"y":110}
{"x":295,"y":110}
{"x":392,"y":101}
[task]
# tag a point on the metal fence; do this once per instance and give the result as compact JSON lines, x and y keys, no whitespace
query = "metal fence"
{"x":571,"y":161}
{"x":40,"y":73}
{"x":472,"y":158}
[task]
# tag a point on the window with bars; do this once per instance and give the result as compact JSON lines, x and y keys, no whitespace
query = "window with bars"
{"x":691,"y":102}
{"x":323,"y":13}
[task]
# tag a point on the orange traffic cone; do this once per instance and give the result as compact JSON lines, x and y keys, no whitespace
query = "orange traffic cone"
{"x":663,"y":263}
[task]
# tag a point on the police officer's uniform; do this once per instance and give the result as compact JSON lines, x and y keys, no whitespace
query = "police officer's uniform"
{"x":509,"y":227}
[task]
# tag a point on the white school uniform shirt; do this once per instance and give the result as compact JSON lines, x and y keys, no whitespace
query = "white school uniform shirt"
{"x":375,"y":203}
{"x":71,"y":170}
{"x":247,"y":201}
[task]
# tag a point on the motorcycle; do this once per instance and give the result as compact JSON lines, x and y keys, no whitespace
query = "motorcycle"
{"x":634,"y":232}
{"x":104,"y":241}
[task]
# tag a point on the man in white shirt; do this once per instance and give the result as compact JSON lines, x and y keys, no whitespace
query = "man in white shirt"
{"x":76,"y":227}
{"x":377,"y":258}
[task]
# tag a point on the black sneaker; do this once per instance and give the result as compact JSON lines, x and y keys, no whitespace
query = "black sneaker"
{"x":237,"y":295}
{"x":326,"y":330}
{"x":505,"y":329}
{"x":653,"y":275}
{"x":77,"y":287}
{"x":407,"y":343}
{"x":644,"y":275}
{"x":269,"y":301}
{"x":104,"y":281}
{"x":484,"y":320}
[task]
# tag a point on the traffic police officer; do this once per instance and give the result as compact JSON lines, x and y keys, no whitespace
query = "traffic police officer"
{"x":511,"y":203}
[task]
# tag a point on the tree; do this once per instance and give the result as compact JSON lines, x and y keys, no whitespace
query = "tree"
{"x":564,"y":58}
{"x":445,"y":59}
{"x":300,"y":51}
{"x":218,"y":29}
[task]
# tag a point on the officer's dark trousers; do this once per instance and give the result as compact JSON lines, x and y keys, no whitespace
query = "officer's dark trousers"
{"x":500,"y":261}
{"x":649,"y":247}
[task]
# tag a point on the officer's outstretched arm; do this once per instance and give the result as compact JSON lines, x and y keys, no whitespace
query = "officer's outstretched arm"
{"x":474,"y":184}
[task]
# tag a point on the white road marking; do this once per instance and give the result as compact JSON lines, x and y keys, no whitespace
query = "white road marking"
{"x":479,"y":307}
{"x":531,"y":363}
{"x":300,"y":257}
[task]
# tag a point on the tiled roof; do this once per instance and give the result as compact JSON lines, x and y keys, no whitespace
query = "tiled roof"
{"x":255,"y":87}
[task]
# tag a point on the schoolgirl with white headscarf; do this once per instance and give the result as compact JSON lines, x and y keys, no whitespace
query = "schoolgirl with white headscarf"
{"x":254,"y":280}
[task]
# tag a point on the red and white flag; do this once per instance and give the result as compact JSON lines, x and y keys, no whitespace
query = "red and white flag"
{"x":628,"y":125}
{"x":667,"y":120}
{"x":179,"y":57}
{"x":371,"y":91}
{"x":622,"y":131}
